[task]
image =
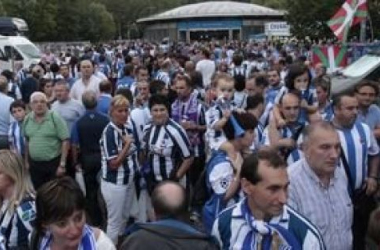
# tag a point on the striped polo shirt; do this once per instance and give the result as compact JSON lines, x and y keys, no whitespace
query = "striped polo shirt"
{"x":166,"y":146}
{"x":230,"y":228}
{"x":111,"y":144}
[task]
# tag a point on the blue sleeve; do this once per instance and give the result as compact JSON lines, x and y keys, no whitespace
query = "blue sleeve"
{"x":110,"y":144}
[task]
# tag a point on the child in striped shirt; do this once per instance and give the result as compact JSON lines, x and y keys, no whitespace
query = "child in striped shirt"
{"x":15,"y":135}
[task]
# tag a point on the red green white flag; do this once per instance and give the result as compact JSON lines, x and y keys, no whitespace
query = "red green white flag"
{"x":351,"y":13}
{"x":332,"y":57}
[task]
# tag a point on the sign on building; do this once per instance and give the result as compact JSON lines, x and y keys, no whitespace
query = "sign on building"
{"x":277,"y":29}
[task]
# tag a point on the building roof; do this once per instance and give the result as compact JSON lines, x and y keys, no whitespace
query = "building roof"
{"x":214,"y":9}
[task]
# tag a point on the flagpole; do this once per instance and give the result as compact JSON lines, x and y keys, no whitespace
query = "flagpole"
{"x":363,"y":25}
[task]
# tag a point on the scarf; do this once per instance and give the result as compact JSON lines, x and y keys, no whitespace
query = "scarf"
{"x":273,"y":236}
{"x":187,"y":111}
{"x":88,"y":241}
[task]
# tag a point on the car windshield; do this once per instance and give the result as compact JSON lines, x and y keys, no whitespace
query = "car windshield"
{"x":362,"y":66}
{"x":29,"y":50}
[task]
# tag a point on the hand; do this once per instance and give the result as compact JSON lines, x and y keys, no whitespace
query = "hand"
{"x":127,"y":139}
{"x":304,"y":103}
{"x":240,"y":111}
{"x":78,"y":167}
{"x":371,"y":186}
{"x":226,"y":114}
{"x":289,"y":143}
{"x":186,"y":125}
{"x":281,"y":123}
{"x":61,"y":170}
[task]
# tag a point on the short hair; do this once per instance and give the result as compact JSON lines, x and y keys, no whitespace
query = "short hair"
{"x":222,"y":76}
{"x":186,"y":79}
{"x":105,"y":86}
{"x":139,"y":68}
{"x":158,"y":100}
{"x":54,"y":67}
{"x":261,"y":81}
{"x":43,"y":82}
{"x":367,"y":83}
{"x":63,"y":83}
{"x":237,"y":59}
{"x":196,"y":79}
{"x":245,"y":120}
{"x":38,"y":94}
{"x":274,"y":68}
{"x":323,"y":82}
{"x":57,"y":200}
{"x":311,"y":128}
{"x":128,"y":69}
{"x":337,"y":99}
{"x":127,"y":93}
{"x":293,"y":93}
{"x":156,"y":86}
{"x":239,"y":82}
{"x":8,"y":74}
{"x":205,"y":52}
{"x":17,"y":104}
{"x":254,"y":101}
{"x":161,"y":205}
{"x":118,"y":101}
{"x":250,"y":167}
{"x":89,"y":100}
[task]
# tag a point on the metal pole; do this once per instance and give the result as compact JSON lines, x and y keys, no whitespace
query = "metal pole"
{"x":363,"y":25}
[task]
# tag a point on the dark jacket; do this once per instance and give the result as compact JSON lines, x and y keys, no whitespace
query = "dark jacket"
{"x":168,"y":235}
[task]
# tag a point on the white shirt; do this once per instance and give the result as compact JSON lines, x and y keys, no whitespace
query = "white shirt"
{"x":79,"y":88}
{"x":207,"y":69}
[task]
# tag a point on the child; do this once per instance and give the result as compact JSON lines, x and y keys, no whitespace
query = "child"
{"x":219,"y":113}
{"x":15,"y":135}
{"x":298,"y":80}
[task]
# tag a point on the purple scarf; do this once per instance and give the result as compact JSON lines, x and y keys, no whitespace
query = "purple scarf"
{"x":187,"y":111}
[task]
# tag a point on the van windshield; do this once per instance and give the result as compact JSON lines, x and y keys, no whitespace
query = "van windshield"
{"x":29,"y":50}
{"x":362,"y":66}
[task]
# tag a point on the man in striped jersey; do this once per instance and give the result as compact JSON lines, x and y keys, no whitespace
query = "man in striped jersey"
{"x":163,"y":73}
{"x":287,"y":138}
{"x":262,"y":220}
{"x":330,"y":207}
{"x":360,"y":152}
{"x":165,"y":144}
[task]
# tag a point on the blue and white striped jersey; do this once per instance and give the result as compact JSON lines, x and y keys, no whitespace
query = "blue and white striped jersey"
{"x":231,"y":229}
{"x":358,"y":143}
{"x":111,"y":144}
{"x":163,"y":76}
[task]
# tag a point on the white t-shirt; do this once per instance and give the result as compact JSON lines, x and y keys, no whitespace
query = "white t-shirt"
{"x":207,"y":69}
{"x":79,"y":88}
{"x":104,"y":243}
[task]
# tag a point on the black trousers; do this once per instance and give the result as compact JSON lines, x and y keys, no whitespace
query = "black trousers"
{"x":43,"y":171}
{"x":91,"y":164}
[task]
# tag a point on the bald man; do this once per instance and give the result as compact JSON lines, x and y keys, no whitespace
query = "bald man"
{"x":169,"y":231}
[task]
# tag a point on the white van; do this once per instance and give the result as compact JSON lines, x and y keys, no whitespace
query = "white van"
{"x":15,"y":49}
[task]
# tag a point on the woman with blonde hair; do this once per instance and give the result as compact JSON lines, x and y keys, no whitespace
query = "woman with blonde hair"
{"x":119,"y":148}
{"x":17,"y":212}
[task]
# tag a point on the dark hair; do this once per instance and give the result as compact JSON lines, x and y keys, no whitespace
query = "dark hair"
{"x":337,"y":99}
{"x":8,"y":74}
{"x":54,"y":67}
{"x":156,"y":86}
{"x":43,"y":82}
{"x":237,"y":59}
{"x":105,"y":86}
{"x":17,"y":104}
{"x":245,"y":120}
{"x":186,"y":79}
{"x":127,"y":93}
{"x":261,"y":81}
{"x":254,"y":101}
{"x":161,"y":206}
{"x":56,"y":200}
{"x":295,"y":70}
{"x":367,"y":83}
{"x":141,"y":67}
{"x":158,"y":100}
{"x":323,"y":82}
{"x":128,"y":69}
{"x":196,"y":79}
{"x":250,"y":167}
{"x":205,"y":52}
{"x":239,"y":82}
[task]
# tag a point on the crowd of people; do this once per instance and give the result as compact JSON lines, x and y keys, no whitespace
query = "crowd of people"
{"x":203,"y":146}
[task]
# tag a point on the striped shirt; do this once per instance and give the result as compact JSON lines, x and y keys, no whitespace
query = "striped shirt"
{"x":270,"y":96}
{"x":219,"y":176}
{"x":15,"y":227}
{"x":111,"y":144}
{"x":358,"y":143}
{"x":287,"y":132}
{"x":334,"y":214}
{"x":166,"y":145}
{"x":230,"y":228}
{"x":163,"y":76}
{"x":16,"y":137}
{"x":259,"y":136}
{"x":327,"y":113}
